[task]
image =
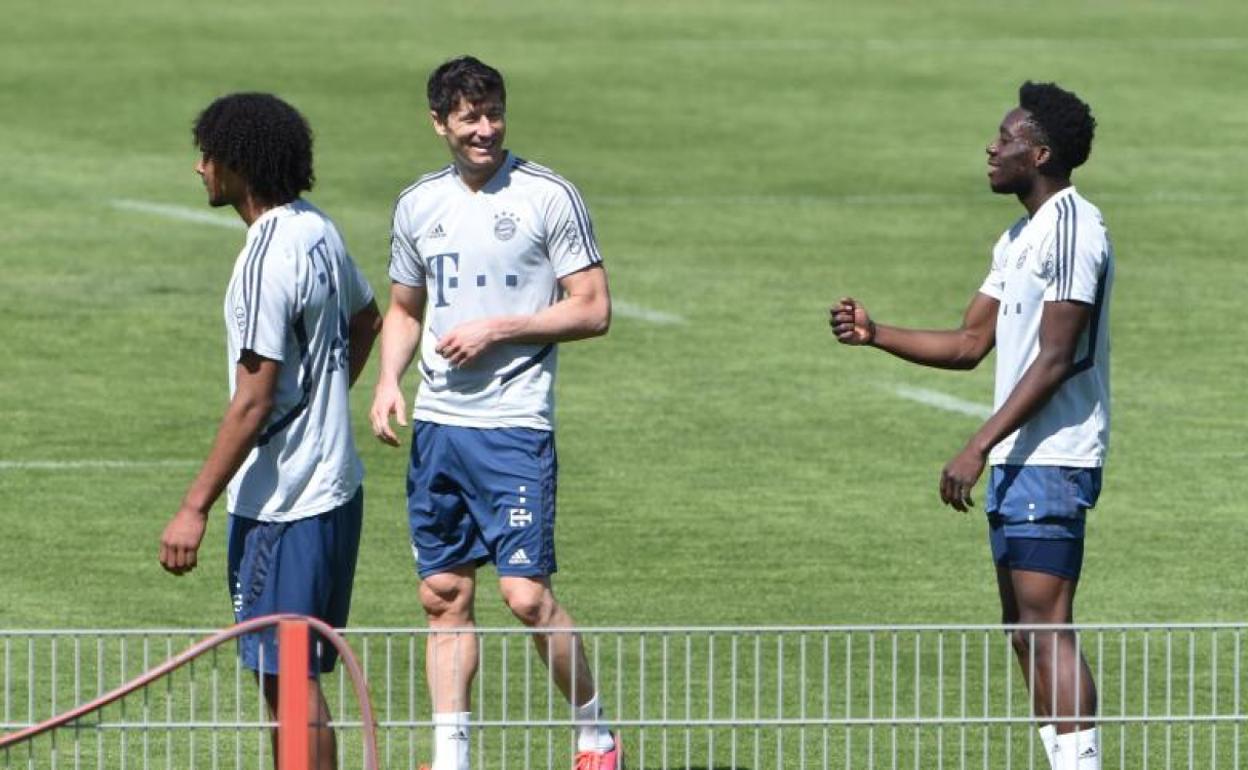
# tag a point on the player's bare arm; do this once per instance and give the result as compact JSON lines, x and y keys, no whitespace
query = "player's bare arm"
{"x":244,"y":419}
{"x":583,"y":311}
{"x":362,"y":331}
{"x":1061,"y":323}
{"x":400,"y":336}
{"x":961,"y":348}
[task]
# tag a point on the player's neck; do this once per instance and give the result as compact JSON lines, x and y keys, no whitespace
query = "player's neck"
{"x":251,"y":208}
{"x":476,"y":178}
{"x":1044,"y":188}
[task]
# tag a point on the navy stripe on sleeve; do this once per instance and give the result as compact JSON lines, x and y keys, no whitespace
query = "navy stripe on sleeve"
{"x":245,"y":286}
{"x":1067,"y":224}
{"x":398,"y":201}
{"x":1074,"y":239}
{"x":252,"y":275}
{"x":426,"y":178}
{"x":579,"y":210}
{"x":1065,"y":250}
{"x":1058,"y":250}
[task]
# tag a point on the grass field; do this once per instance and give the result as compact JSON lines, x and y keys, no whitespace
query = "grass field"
{"x":746,"y":164}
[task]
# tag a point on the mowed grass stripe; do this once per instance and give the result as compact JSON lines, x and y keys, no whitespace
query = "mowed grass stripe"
{"x":739,"y":467}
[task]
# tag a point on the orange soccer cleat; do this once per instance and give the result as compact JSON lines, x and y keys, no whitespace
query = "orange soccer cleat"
{"x":602,"y":760}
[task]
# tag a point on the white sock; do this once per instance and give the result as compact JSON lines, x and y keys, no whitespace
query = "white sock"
{"x":1048,"y":736}
{"x":592,"y":737}
{"x":1079,"y":751}
{"x":450,"y":740}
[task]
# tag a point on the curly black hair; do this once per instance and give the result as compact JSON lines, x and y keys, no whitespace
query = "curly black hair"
{"x":1063,"y":122}
{"x":463,"y":77}
{"x":263,"y":139}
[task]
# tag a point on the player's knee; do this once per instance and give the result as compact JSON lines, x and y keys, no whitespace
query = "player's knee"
{"x":1037,"y":643}
{"x":446,"y":598}
{"x":532,"y":604}
{"x":1020,"y":640}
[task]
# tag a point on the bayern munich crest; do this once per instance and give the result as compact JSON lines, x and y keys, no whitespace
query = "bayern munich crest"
{"x":504,"y":225}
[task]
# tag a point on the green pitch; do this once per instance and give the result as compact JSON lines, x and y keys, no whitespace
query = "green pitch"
{"x":746,"y":164}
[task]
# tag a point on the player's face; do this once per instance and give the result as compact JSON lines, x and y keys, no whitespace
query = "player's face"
{"x":1014,"y":157}
{"x":224,"y":186}
{"x":474,"y":132}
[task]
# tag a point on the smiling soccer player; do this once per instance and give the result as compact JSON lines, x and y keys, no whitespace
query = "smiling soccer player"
{"x":1044,"y":306}
{"x":493,"y":263}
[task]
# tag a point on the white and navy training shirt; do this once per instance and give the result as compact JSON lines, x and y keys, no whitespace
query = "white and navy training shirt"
{"x":1062,"y":253}
{"x":291,"y":298}
{"x":498,"y":251}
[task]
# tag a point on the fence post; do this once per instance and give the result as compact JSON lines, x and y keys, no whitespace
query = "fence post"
{"x":292,"y":694}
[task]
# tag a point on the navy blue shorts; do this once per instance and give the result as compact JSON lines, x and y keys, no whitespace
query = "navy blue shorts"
{"x":1063,"y":558}
{"x":477,"y":495}
{"x":1036,"y":516}
{"x":306,"y":566}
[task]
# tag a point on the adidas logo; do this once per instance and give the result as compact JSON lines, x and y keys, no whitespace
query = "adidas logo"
{"x":437,"y":231}
{"x":519,"y":557}
{"x":1088,"y":753}
{"x":459,"y":735}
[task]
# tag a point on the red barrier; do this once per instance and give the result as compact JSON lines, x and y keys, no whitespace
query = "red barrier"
{"x":292,"y":694}
{"x":344,"y":652}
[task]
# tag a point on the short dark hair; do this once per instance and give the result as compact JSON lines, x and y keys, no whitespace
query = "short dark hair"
{"x":464,"y":77}
{"x":263,"y":139}
{"x":1064,"y":123}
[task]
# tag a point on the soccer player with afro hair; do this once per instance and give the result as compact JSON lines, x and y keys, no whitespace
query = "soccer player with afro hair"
{"x":1044,"y":306}
{"x":300,"y":321}
{"x":261,"y":138}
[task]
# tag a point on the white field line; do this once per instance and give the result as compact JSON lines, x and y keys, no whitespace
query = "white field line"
{"x":630,"y":310}
{"x":180,"y":213}
{"x":851,"y":200}
{"x":943,"y":401}
{"x":184,"y":214}
{"x":74,"y":465}
{"x":863,"y":199}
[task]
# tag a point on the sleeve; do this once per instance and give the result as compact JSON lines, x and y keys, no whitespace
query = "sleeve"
{"x":994,"y":283}
{"x":405,"y":263}
{"x":570,"y":241}
{"x":264,"y":299}
{"x":360,"y":293}
{"x":1080,"y":248}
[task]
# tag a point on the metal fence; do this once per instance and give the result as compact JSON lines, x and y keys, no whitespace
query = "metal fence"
{"x":1170,"y":696}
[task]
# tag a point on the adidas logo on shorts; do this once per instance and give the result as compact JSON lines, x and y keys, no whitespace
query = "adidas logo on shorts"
{"x":519,"y":557}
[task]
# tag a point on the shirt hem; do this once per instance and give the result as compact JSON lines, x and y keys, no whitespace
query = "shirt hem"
{"x":297,"y":513}
{"x":461,"y":421}
{"x":1070,"y":462}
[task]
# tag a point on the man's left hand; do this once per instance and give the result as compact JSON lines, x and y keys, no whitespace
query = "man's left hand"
{"x":466,"y":342}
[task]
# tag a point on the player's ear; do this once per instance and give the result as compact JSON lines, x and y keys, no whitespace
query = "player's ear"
{"x":439,"y":125}
{"x":1043,"y":154}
